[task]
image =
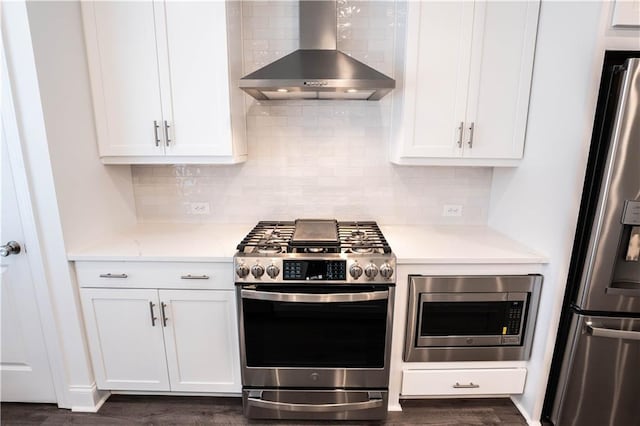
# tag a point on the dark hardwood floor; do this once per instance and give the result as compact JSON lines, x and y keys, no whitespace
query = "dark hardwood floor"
{"x":167,"y":410}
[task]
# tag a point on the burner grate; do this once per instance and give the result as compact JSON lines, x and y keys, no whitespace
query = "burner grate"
{"x":362,"y":237}
{"x":268,"y":238}
{"x":273,"y":237}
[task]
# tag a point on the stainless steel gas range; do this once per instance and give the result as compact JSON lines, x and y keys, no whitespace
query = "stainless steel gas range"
{"x":315,"y":301}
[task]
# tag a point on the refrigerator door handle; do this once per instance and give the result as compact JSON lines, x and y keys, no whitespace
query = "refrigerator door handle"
{"x":612,"y":334}
{"x":624,"y":289}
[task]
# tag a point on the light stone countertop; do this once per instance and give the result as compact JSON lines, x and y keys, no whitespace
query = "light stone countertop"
{"x":456,"y":245}
{"x":182,"y":242}
{"x":175,"y":242}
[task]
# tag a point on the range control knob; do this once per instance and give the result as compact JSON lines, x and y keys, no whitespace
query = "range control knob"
{"x":273,"y":270}
{"x":355,"y":271}
{"x":242,"y":270}
{"x":386,"y":270}
{"x":371,"y":270}
{"x":257,"y":270}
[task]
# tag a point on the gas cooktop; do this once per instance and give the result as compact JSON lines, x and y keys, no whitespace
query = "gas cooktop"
{"x":315,"y":249}
{"x":314,"y":236}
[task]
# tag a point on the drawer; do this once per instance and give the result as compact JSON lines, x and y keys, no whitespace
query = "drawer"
{"x":490,"y":381}
{"x":178,"y":275}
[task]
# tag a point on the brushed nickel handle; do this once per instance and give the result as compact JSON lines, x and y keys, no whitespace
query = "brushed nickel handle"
{"x":194,"y":277}
{"x":12,"y":247}
{"x":156,"y":126}
{"x":164,"y":314}
{"x":375,"y":400}
{"x":166,"y":132}
{"x":471,"y":385}
{"x":471,"y":128}
{"x":110,"y":275}
{"x":153,"y":317}
{"x":460,"y":131}
{"x":314,"y":298}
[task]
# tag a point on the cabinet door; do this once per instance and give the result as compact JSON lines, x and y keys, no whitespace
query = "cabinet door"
{"x":202,"y":340}
{"x":123,"y":64}
{"x":126,"y":344}
{"x":438,"y":58}
{"x":504,"y":35}
{"x":197,"y":62}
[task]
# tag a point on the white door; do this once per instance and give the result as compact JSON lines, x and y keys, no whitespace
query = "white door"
{"x":24,"y":364}
{"x":438,"y":60}
{"x":124,"y":328}
{"x":123,"y":65}
{"x":201,"y":339}
{"x":500,"y":79}
{"x":196,"y":40}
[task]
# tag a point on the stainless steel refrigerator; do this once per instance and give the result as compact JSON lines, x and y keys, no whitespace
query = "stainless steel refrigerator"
{"x":595,"y":376}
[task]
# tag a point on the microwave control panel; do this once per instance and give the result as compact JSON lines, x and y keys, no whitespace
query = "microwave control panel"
{"x":514,"y":318}
{"x":511,"y":332}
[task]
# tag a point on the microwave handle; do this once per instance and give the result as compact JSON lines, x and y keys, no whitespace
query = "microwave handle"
{"x":313,"y":297}
{"x":470,"y":297}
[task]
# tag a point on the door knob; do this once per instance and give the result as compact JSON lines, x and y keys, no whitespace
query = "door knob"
{"x":12,"y":247}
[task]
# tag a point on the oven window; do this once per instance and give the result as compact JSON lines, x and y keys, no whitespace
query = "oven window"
{"x":464,"y":318}
{"x":331,"y":335}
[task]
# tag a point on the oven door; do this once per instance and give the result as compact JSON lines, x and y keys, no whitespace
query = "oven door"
{"x":470,"y":319}
{"x":316,"y":336}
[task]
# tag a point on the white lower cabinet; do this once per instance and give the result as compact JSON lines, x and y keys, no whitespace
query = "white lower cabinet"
{"x":489,"y":381}
{"x":201,"y":340}
{"x":126,"y":343}
{"x":163,"y":340}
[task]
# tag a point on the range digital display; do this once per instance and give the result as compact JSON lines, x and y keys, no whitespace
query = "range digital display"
{"x":308,"y":270}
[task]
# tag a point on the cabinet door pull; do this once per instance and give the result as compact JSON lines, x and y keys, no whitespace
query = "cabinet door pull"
{"x":164,"y":314}
{"x":166,"y":132}
{"x":153,"y":317}
{"x":460,"y":131}
{"x":110,"y":275}
{"x":194,"y":277}
{"x":471,"y":127}
{"x":471,"y":385}
{"x":156,"y":126}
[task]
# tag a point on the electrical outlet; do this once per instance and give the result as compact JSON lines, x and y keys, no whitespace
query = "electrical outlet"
{"x":452,"y":210}
{"x":201,"y":207}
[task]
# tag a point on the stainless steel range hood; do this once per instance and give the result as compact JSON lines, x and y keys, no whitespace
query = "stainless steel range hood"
{"x":317,"y":70}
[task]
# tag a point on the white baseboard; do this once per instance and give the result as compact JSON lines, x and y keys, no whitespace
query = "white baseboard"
{"x":87,"y":399}
{"x":525,"y":414}
{"x":394,"y":407}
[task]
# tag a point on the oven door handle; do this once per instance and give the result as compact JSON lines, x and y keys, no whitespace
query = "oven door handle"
{"x":313,"y":297}
{"x":375,"y":401}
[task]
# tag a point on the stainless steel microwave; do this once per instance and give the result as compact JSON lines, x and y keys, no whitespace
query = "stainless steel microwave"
{"x":471,"y":318}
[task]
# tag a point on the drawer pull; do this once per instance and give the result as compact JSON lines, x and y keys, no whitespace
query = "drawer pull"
{"x":110,"y":275}
{"x":471,"y":385}
{"x":194,"y":277}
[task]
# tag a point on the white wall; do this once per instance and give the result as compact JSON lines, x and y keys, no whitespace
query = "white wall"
{"x":315,"y":158}
{"x":538,"y":202}
{"x":87,"y":213}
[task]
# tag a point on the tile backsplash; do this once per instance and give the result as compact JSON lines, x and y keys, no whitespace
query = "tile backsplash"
{"x":314,"y":158}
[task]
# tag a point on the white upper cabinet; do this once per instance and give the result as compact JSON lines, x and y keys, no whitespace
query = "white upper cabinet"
{"x":467,"y":77}
{"x":163,"y":84}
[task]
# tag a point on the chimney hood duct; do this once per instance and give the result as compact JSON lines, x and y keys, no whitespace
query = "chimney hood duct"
{"x":317,"y":70}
